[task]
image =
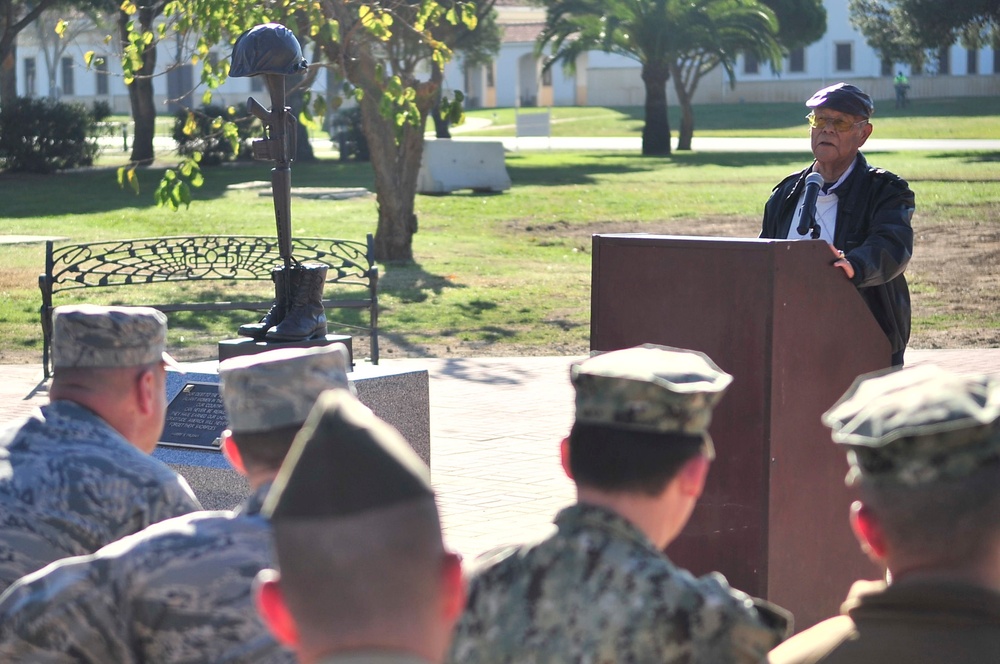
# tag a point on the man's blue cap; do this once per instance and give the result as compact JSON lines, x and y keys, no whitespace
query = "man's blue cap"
{"x":845,"y":98}
{"x":269,"y":48}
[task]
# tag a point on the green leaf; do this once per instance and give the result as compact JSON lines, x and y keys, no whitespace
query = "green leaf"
{"x":88,"y":58}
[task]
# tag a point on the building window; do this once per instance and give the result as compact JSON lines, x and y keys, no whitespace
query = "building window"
{"x":996,"y":60}
{"x":101,"y":71}
{"x":67,"y":77}
{"x":797,"y":60}
{"x":30,"y":74}
{"x":886,"y":67}
{"x":489,"y":75}
{"x":972,"y":61}
{"x":845,"y":57}
{"x":546,"y":73}
{"x":944,"y":61}
{"x":750,"y":64}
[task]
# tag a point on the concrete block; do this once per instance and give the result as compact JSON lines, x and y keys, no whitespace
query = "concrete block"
{"x":448,"y":166}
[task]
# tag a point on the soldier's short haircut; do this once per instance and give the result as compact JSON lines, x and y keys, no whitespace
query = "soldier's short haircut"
{"x":265,"y":449}
{"x":613,"y":459}
{"x":361,"y":574}
{"x":952,"y":518}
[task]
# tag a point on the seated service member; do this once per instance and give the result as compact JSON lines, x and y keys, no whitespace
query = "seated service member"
{"x":77,"y":474}
{"x":364,"y":574}
{"x":863,"y":212}
{"x":180,"y":591}
{"x":600,"y":588}
{"x":923,"y":446}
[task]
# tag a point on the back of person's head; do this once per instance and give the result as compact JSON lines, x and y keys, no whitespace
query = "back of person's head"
{"x":358,"y":541}
{"x":641,"y":414}
{"x":112,"y":360}
{"x":267,"y":397}
{"x":923,"y":447}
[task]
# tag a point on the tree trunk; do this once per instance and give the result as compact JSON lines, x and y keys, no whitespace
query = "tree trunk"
{"x":656,"y":131}
{"x":396,"y":168}
{"x":140,"y":93}
{"x":687,"y":116}
{"x":8,"y":74}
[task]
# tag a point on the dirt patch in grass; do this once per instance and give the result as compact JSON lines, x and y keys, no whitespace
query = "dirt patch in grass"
{"x":954,"y":278}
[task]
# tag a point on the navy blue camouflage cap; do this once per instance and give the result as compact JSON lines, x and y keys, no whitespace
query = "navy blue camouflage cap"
{"x":917,"y":425}
{"x":92,"y":336}
{"x":649,"y":388}
{"x":277,"y":388}
{"x":345,"y":462}
{"x":269,"y":48}
{"x":845,"y":98}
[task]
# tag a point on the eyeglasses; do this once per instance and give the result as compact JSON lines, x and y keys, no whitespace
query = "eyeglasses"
{"x":840,"y":125}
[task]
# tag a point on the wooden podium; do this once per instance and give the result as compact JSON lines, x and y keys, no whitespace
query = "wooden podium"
{"x":794,"y":333}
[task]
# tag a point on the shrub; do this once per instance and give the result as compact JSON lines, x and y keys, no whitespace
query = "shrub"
{"x":345,"y":131}
{"x":39,"y":135}
{"x":200,"y":130}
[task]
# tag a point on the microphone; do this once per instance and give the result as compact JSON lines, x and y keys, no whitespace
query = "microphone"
{"x":808,"y":210}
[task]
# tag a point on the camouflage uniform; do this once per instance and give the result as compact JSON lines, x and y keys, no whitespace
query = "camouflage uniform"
{"x":372,"y":657}
{"x":917,"y":429}
{"x":69,"y":484}
{"x":177,"y":592}
{"x":598,"y":589}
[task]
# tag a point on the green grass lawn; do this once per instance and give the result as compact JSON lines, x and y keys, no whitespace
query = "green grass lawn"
{"x":511,"y":267}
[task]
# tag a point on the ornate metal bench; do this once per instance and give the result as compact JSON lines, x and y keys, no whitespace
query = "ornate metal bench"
{"x":118,"y":263}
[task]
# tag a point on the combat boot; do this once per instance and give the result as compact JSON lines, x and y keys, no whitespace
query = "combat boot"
{"x":276,"y":313}
{"x":305,"y":318}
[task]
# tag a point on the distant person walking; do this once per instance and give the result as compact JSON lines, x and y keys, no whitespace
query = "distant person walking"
{"x":902,"y":85}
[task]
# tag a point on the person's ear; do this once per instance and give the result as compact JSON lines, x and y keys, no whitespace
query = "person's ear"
{"x":272,"y":608}
{"x":146,"y":393}
{"x":866,"y":131}
{"x":232,"y":453}
{"x":693,"y":474}
{"x":564,"y":457}
{"x":452,"y":587}
{"x":868,"y":531}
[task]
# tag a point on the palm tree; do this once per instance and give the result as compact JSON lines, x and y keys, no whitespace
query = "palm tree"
{"x":679,"y":39}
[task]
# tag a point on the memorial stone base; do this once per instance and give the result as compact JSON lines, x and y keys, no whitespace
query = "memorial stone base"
{"x":246,"y":346}
{"x":399,"y":397}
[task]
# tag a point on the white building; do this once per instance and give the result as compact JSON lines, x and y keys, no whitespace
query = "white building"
{"x":602,"y":79}
{"x":515,"y":78}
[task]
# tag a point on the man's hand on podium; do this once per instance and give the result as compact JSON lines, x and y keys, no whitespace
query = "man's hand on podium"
{"x":842,"y":262}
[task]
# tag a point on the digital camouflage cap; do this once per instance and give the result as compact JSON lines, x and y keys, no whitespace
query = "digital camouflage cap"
{"x":917,"y":425}
{"x":91,"y":336}
{"x":278,"y":388}
{"x":656,"y":389}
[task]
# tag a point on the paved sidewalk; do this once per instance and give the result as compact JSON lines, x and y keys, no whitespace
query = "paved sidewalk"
{"x":496,"y":424}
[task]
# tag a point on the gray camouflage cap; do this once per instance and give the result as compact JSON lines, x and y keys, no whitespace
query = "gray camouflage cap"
{"x":649,"y":388}
{"x":278,"y":388}
{"x":92,"y":336}
{"x":917,"y":425}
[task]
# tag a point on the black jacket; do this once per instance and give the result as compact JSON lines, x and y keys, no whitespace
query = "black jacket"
{"x":873,"y":229}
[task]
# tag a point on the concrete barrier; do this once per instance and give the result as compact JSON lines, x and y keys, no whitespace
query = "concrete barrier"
{"x":448,"y":166}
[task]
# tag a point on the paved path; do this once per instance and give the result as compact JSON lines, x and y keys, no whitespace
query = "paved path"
{"x":496,"y":424}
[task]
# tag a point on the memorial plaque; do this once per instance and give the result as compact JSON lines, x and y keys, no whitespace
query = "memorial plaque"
{"x":195,"y":417}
